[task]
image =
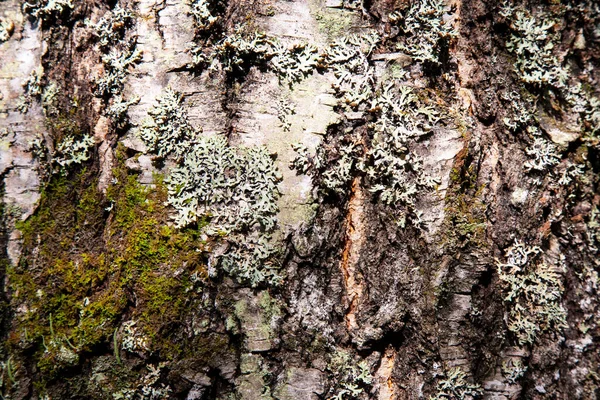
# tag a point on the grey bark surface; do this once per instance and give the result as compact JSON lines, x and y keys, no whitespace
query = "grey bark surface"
{"x":419,"y":304}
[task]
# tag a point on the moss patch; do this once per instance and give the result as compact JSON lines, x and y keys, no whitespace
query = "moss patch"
{"x":91,"y":262}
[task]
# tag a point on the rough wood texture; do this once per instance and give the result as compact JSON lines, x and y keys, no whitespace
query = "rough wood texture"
{"x":104,"y":298}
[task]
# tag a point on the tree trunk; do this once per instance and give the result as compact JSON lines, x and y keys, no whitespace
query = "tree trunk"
{"x":307,"y":199}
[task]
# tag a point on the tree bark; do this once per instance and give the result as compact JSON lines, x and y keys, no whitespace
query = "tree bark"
{"x":451,"y":254}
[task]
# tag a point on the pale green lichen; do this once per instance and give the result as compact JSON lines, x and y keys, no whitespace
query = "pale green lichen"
{"x":593,"y":225}
{"x":543,"y":155}
{"x":426,"y":32}
{"x":43,"y":9}
{"x":293,"y":63}
{"x":396,"y":174}
{"x":110,"y":29}
{"x":203,"y":13}
{"x":533,"y":291}
{"x":236,"y":53}
{"x":7,"y":28}
{"x":49,"y":99}
{"x":116,"y":65}
{"x":71,"y":150}
{"x":133,"y":339}
{"x":355,"y":77}
{"x":455,"y":386}
{"x":302,"y":162}
{"x":234,"y":190}
{"x":167,"y":132}
{"x":117,"y":111}
{"x":532,"y":41}
{"x":513,"y":370}
{"x":285,"y":109}
{"x":350,"y":378}
{"x":33,"y":89}
{"x":119,"y":54}
{"x":237,"y":190}
{"x":148,"y":387}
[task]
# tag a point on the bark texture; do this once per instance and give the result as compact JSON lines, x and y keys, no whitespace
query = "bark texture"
{"x":437,"y":206}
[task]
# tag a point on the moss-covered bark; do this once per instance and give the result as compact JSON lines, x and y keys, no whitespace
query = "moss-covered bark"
{"x":437,"y":223}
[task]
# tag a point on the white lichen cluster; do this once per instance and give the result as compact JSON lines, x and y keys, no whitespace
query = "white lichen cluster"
{"x":542,"y":154}
{"x":339,"y":172}
{"x":456,"y":387}
{"x":513,"y":370}
{"x":117,"y":111}
{"x":293,"y":63}
{"x":43,"y":9}
{"x":396,"y":173}
{"x":354,"y":88}
{"x":285,"y":109}
{"x":350,"y":378}
{"x":110,"y":29}
{"x":532,"y":41}
{"x":425,"y":29}
{"x":593,"y":229}
{"x":166,"y":132}
{"x":235,"y":189}
{"x":533,"y":292}
{"x":49,"y":99}
{"x":570,"y":173}
{"x":71,"y":150}
{"x":519,"y":109}
{"x":116,"y":67}
{"x":148,"y":386}
{"x":588,"y":109}
{"x":355,"y":77}
{"x":119,"y":54}
{"x":133,"y":339}
{"x":203,"y":13}
{"x":237,"y":52}
{"x":303,"y":162}
{"x":7,"y":28}
{"x":33,"y":89}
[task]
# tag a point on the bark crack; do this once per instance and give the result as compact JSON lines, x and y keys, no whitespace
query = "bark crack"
{"x":355,"y":239}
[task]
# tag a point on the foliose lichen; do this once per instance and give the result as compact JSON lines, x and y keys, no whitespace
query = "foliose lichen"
{"x":166,"y":132}
{"x":235,"y":189}
{"x":426,"y":31}
{"x":43,"y":9}
{"x":513,"y":370}
{"x":71,"y":150}
{"x":110,"y":29}
{"x":533,"y":292}
{"x":456,"y":386}
{"x":350,"y":378}
{"x":119,"y":51}
{"x":7,"y":28}
{"x":116,"y":65}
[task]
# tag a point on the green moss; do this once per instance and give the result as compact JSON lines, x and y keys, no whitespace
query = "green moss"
{"x":465,"y":222}
{"x":83,"y":268}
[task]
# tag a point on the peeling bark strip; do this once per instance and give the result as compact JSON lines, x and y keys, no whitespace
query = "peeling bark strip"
{"x":355,"y":240}
{"x":106,"y":300}
{"x":384,"y":376}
